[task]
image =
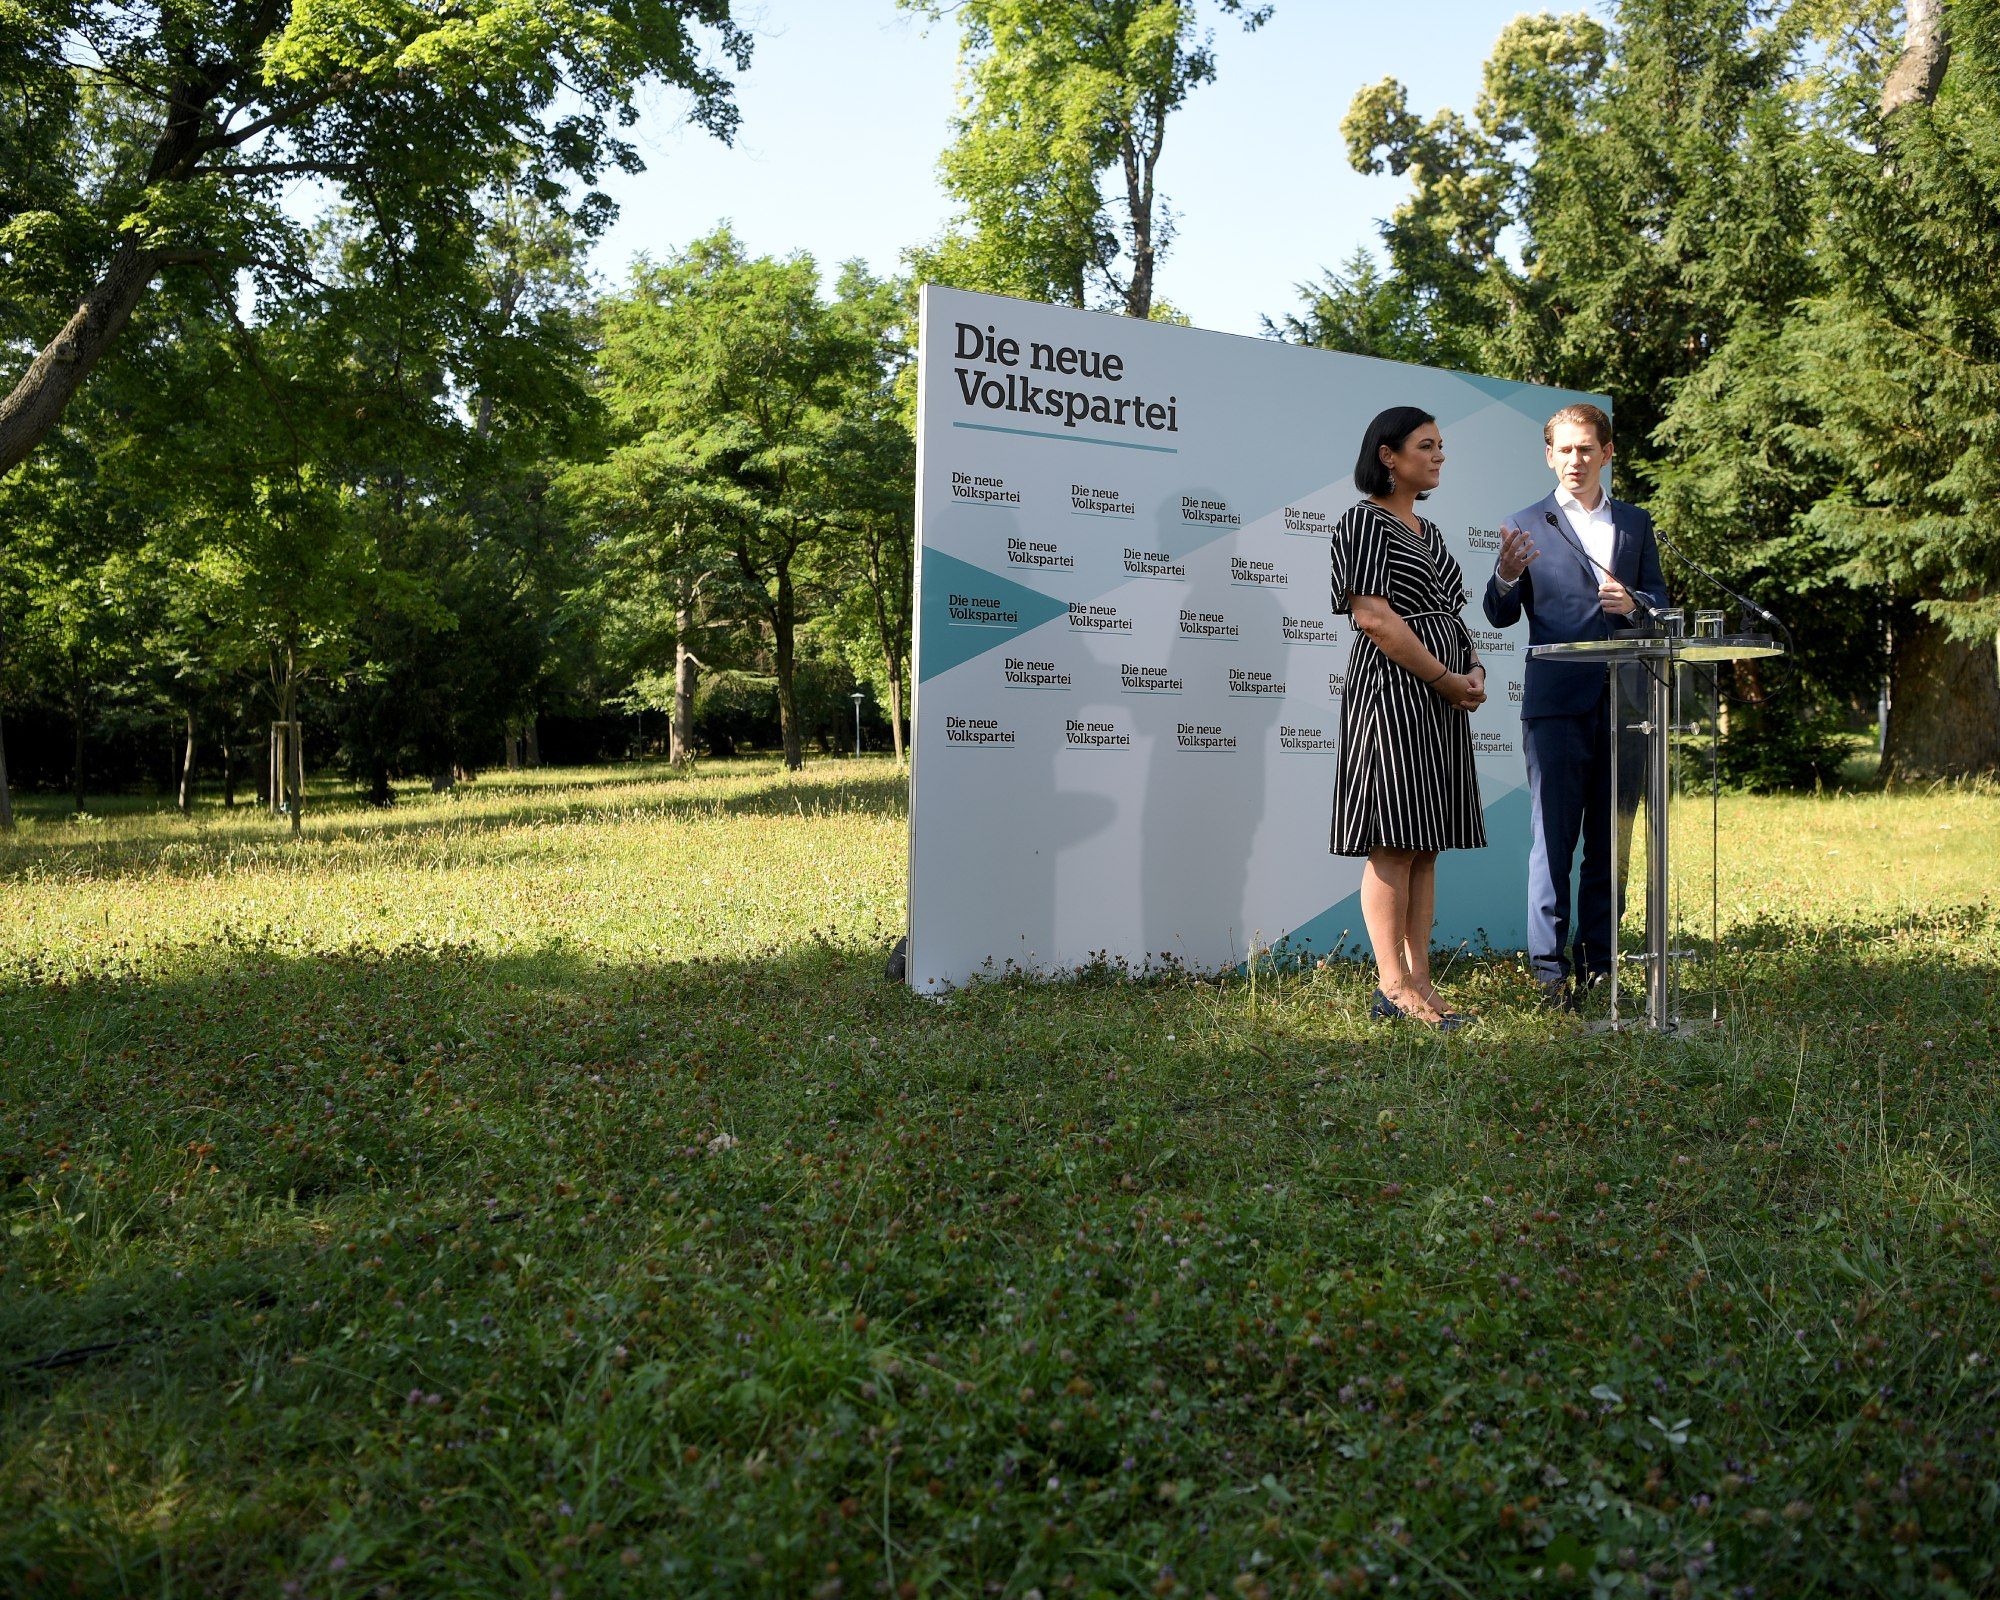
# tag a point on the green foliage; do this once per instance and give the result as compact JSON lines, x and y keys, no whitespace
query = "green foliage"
{"x":1059,"y":97}
{"x":328,"y":437}
{"x":184,"y":127}
{"x":570,"y":1203}
{"x":1663,"y":180}
{"x":1356,"y":308}
{"x":757,"y":425}
{"x":1898,"y":353}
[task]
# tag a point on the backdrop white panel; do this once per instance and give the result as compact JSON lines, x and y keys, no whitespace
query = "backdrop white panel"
{"x":1128,"y":676}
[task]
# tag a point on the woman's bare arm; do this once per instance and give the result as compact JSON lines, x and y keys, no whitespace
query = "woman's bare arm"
{"x":1374,"y":616}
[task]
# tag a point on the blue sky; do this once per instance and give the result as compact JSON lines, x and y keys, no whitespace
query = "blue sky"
{"x":848,"y":103}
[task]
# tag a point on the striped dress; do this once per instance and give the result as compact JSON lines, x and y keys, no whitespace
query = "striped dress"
{"x":1404,"y":780}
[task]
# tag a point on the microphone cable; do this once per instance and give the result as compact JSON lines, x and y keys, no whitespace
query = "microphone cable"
{"x":1746,"y":604}
{"x":1651,"y":616}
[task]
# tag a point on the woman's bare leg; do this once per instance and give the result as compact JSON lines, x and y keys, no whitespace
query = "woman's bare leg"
{"x":1385,"y":909}
{"x":1419,"y":915}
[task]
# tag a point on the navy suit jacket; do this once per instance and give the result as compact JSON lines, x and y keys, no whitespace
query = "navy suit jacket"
{"x":1559,"y":594}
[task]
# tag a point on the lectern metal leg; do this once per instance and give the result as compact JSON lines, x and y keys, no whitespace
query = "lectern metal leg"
{"x":1614,"y":713}
{"x":1659,"y":784}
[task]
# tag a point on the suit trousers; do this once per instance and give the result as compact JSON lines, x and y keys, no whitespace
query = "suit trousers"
{"x":1569,"y":783}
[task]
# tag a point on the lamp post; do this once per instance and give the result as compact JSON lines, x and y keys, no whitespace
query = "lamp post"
{"x":857,"y":697}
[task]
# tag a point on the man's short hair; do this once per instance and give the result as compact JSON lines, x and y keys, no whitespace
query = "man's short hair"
{"x":1588,"y":416}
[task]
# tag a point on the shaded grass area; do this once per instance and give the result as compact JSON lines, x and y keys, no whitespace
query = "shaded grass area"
{"x":543,"y":1192}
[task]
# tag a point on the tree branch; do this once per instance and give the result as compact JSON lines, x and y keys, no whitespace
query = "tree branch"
{"x":285,"y":169}
{"x":277,"y":117}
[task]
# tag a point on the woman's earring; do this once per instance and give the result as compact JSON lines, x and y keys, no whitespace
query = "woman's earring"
{"x":1392,"y":480}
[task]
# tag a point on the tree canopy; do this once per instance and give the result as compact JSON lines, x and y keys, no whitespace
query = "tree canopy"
{"x":158,"y":139}
{"x":1063,"y":121}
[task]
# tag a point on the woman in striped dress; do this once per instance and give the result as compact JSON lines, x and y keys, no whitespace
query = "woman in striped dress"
{"x":1404,"y":788}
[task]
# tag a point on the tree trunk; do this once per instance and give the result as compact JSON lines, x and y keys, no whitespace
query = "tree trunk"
{"x":186,"y":797}
{"x":1141,"y":162}
{"x":36,"y":403}
{"x":228,"y":776}
{"x":896,"y":711}
{"x":1944,"y":703}
{"x":784,"y":619}
{"x":892,"y":613}
{"x":379,"y":792}
{"x":76,"y":764}
{"x":531,"y":742}
{"x":295,"y":755}
{"x":680,"y":746}
{"x":1919,"y":71}
{"x":512,"y":742}
{"x":6,"y":795}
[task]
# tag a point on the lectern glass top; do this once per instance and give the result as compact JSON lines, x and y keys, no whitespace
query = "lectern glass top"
{"x":1637,"y":648}
{"x":1657,"y":647}
{"x":1733,"y":647}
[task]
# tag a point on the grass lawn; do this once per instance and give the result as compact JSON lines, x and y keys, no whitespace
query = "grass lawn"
{"x":540,"y":1192}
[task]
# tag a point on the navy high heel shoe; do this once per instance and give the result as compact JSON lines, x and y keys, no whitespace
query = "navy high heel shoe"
{"x":1386,"y":1010}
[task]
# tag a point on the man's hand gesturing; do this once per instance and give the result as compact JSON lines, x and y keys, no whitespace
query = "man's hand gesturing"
{"x":1516,"y":551}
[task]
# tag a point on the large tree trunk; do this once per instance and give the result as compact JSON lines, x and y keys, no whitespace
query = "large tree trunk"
{"x":531,"y":741}
{"x":186,"y":795}
{"x":228,"y":776}
{"x":1919,"y":71}
{"x":1944,"y":703}
{"x":76,"y":763}
{"x":784,"y":620}
{"x":36,"y":402}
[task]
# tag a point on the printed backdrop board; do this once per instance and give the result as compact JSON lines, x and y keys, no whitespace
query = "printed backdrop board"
{"x":1128,"y":673}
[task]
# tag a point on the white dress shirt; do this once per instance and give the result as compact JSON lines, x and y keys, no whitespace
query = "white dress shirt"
{"x":1593,"y":527}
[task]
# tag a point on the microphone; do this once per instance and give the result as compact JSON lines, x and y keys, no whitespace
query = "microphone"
{"x":1742,"y":600}
{"x":1646,"y":613}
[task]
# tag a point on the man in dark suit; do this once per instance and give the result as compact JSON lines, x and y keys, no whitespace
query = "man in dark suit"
{"x":1582,"y":566}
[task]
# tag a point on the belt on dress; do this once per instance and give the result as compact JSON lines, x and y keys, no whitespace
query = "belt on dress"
{"x":1450,"y":616}
{"x":1464,"y":632}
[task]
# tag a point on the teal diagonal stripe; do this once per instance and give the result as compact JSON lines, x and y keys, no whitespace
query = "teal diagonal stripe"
{"x":968,"y":611}
{"x":1482,"y":895}
{"x":1531,"y":400}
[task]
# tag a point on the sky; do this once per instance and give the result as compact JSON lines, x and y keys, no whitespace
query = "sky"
{"x":847,"y":104}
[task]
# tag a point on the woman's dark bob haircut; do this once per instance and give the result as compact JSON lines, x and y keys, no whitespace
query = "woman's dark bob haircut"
{"x":1392,"y":427}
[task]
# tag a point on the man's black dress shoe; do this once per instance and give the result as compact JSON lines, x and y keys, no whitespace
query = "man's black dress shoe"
{"x":1556,"y":994}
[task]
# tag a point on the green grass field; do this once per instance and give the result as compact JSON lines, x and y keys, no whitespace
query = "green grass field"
{"x":540,"y":1192}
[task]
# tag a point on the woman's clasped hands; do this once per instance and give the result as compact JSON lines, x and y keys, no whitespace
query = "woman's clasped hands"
{"x":1465,"y":690}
